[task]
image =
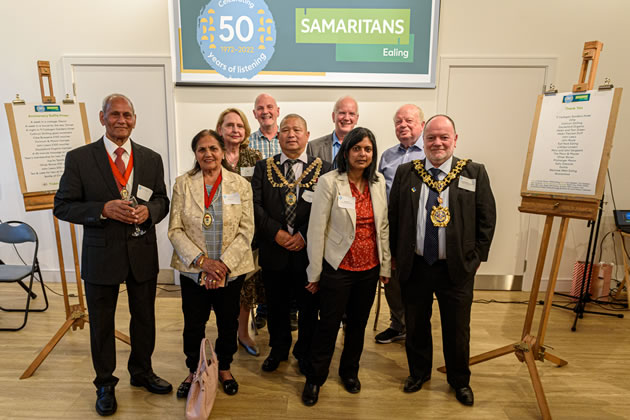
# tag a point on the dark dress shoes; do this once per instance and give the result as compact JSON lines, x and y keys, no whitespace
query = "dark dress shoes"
{"x":465,"y":395}
{"x":352,"y":385}
{"x":253,"y":350}
{"x":152,"y":383}
{"x":230,"y":386}
{"x":310,"y":394}
{"x":271,"y":363}
{"x":184,"y":389}
{"x":106,"y":400}
{"x":413,"y":384}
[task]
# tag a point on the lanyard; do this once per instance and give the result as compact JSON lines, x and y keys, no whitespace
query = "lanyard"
{"x":122,"y":179}
{"x":207,"y":198}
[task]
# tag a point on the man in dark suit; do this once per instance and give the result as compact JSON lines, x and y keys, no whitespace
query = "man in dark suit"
{"x":283,"y":192}
{"x":345,"y":115}
{"x":95,"y":191}
{"x":442,"y":217}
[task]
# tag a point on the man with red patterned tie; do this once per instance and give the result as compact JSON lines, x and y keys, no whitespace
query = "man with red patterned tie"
{"x":115,"y":188}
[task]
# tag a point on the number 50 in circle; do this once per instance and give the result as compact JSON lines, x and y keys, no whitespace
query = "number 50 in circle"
{"x":236,"y":37}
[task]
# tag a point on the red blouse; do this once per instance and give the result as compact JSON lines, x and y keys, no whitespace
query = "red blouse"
{"x":363,"y":254}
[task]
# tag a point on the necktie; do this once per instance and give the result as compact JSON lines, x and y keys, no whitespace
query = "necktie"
{"x":431,"y":244}
{"x":290,"y":209}
{"x":119,"y":162}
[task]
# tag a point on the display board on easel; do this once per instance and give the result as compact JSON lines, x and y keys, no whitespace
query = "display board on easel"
{"x":569,"y":149}
{"x":42,"y":134}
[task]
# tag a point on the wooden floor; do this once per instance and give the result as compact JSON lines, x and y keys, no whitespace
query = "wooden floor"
{"x":594,"y":385}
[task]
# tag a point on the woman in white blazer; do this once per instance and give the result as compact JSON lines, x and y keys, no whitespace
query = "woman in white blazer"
{"x":348,"y":251}
{"x":211,"y":228}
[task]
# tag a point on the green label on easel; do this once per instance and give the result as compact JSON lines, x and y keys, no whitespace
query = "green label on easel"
{"x":47,"y":108}
{"x":584,"y":97}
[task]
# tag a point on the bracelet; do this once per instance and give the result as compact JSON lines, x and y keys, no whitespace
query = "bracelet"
{"x":200,"y":261}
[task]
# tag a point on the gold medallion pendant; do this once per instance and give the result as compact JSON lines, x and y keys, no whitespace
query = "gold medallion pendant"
{"x":440,"y":216}
{"x":207,"y":220}
{"x":124,"y":194}
{"x":290,"y":198}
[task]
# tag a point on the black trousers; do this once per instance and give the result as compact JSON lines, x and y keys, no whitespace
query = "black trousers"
{"x":281,"y":287}
{"x":455,"y":300}
{"x":352,"y":293}
{"x":101,"y":303}
{"x":197,"y":301}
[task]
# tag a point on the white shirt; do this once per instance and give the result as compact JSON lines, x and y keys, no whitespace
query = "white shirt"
{"x":298,"y":168}
{"x":111,"y":147}
{"x":422,"y":212}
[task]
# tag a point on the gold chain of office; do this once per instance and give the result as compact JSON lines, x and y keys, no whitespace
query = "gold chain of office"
{"x":272,"y":167}
{"x":434,"y":184}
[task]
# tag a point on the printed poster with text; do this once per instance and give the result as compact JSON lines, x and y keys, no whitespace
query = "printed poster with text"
{"x":569,"y":142}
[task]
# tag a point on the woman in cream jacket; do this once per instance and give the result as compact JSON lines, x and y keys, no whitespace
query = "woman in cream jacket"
{"x":348,"y":251}
{"x":211,"y":228}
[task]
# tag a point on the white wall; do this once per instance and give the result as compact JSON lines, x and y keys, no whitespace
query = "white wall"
{"x":43,"y":30}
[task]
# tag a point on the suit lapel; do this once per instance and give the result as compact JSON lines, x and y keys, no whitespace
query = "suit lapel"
{"x":416,"y":188}
{"x":197,"y":190}
{"x":343,"y":186}
{"x":138,"y":168}
{"x":102,"y":162}
{"x":453,"y":190}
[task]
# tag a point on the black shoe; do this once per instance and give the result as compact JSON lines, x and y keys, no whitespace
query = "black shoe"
{"x":152,"y":383}
{"x":271,"y":363}
{"x":261,"y":321}
{"x":389,"y":336}
{"x":230,"y":386}
{"x":413,"y":384}
{"x":253,"y":350}
{"x":106,"y":400}
{"x":294,"y":321}
{"x":184,"y":389}
{"x":465,"y":395}
{"x":310,"y":394}
{"x":352,"y":385}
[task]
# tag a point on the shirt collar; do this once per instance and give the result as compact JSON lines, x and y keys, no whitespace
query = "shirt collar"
{"x":262,"y":136}
{"x":302,"y":158}
{"x":336,"y":139}
{"x":412,"y":147}
{"x":111,"y":147}
{"x":445,"y":167}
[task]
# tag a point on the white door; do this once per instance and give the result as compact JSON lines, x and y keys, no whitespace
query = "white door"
{"x":492,"y":103}
{"x":147,"y":82}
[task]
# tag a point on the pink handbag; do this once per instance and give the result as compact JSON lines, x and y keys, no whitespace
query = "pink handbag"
{"x":203,"y":389}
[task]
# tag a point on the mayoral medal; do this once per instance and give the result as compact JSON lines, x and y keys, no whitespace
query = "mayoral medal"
{"x":290,"y":198}
{"x":440,"y":215}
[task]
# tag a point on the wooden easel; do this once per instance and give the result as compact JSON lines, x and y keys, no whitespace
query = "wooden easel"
{"x":76,"y":315}
{"x":531,"y":347}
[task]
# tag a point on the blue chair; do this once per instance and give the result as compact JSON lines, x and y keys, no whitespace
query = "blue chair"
{"x":14,"y":232}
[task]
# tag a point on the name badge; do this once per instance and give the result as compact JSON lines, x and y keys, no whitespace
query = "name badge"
{"x":345,"y":202}
{"x":307,"y":196}
{"x":247,"y":171}
{"x":467,"y":183}
{"x":144,"y":193}
{"x":233,"y":198}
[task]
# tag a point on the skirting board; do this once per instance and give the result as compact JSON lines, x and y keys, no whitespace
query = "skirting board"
{"x":514,"y":283}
